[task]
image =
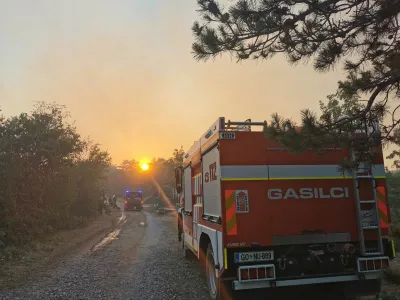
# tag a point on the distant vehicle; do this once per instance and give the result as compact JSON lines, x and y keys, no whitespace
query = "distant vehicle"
{"x":133,"y":201}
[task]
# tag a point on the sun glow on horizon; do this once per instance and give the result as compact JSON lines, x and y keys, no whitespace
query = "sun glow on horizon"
{"x":144,"y":164}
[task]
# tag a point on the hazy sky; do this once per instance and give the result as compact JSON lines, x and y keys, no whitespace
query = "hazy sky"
{"x":125,"y":71}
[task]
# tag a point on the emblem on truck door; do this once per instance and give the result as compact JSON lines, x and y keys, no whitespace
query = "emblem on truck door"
{"x":309,"y":193}
{"x":242,"y":201}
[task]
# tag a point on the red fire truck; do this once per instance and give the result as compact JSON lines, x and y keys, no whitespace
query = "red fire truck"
{"x":261,"y":217}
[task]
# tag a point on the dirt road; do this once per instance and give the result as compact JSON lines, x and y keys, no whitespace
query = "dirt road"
{"x":139,"y":259}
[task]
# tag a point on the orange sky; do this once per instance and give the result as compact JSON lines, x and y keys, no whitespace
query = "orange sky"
{"x":125,"y":72}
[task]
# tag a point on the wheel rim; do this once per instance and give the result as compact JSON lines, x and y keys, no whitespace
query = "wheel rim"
{"x":212,"y":281}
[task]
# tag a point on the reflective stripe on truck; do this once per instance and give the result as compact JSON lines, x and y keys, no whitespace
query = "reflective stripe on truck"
{"x":230,"y":206}
{"x":288,"y":172}
{"x":382,"y":206}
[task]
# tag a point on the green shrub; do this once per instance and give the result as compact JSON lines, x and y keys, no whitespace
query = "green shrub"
{"x":393,"y":185}
{"x":50,"y":178}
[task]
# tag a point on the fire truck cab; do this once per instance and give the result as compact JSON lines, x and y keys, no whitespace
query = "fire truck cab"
{"x":262,"y":218}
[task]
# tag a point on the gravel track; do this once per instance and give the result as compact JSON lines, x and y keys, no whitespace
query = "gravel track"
{"x":139,"y":260}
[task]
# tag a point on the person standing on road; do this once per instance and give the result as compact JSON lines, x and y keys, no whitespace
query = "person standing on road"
{"x":107,"y":206}
{"x":101,"y":203}
{"x":106,"y":203}
{"x":114,"y":200}
{"x":180,"y":218}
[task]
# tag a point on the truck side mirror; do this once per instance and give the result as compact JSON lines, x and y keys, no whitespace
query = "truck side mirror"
{"x":178,"y":179}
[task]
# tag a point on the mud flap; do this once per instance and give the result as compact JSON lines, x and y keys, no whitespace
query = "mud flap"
{"x":363,"y":288}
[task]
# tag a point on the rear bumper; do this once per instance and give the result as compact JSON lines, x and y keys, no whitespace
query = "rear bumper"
{"x":369,"y":269}
{"x":133,"y":207}
{"x":237,"y":285}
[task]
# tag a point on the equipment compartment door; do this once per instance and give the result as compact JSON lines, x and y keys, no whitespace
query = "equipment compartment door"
{"x":312,"y":207}
{"x":188,"y":219}
{"x":187,"y":175}
{"x":211,"y":183}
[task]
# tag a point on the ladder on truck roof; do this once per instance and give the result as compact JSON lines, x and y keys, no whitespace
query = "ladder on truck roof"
{"x":366,"y":175}
{"x":242,"y":126}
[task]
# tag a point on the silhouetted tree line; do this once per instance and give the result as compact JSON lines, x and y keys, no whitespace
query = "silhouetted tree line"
{"x":160,"y":176}
{"x":50,"y":177}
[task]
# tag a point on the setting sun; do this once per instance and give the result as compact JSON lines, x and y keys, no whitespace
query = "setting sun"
{"x":144,"y":166}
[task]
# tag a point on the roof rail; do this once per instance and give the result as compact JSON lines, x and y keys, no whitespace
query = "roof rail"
{"x":243,"y":126}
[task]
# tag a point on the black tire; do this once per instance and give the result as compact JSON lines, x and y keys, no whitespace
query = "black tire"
{"x":180,"y":229}
{"x":185,"y":250}
{"x":212,"y":281}
{"x":219,"y":290}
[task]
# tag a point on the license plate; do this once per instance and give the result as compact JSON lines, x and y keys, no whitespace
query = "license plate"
{"x":254,"y":256}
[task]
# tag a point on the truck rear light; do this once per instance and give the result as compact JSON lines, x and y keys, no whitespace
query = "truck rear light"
{"x":372,"y":264}
{"x":244,"y":274}
{"x":253,"y":274}
{"x":256,"y":273}
{"x":141,"y":202}
{"x":262,"y":273}
{"x":126,"y":202}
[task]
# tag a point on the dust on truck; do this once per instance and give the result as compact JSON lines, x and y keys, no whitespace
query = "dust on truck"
{"x":260,"y":217}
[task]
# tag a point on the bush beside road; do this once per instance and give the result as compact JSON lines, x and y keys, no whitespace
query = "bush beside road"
{"x":50,"y":177}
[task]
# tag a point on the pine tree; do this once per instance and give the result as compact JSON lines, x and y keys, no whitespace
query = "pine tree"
{"x":361,"y":35}
{"x":395,"y":155}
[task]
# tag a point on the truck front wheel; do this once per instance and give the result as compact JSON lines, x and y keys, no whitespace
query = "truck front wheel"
{"x":212,"y":280}
{"x":185,"y":250}
{"x":217,"y":289}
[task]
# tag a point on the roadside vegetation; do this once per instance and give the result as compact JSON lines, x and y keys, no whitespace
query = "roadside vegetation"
{"x":51,"y":178}
{"x":393,"y":183}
